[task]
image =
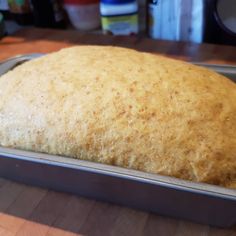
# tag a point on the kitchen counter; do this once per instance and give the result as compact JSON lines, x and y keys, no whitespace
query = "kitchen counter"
{"x":27,"y":210}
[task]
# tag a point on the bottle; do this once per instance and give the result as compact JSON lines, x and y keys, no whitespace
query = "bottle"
{"x":4,"y":9}
{"x":119,"y":17}
{"x":21,"y":11}
{"x":83,"y":14}
{"x":2,"y":26}
{"x":48,"y":14}
{"x":152,"y":18}
{"x":142,"y":16}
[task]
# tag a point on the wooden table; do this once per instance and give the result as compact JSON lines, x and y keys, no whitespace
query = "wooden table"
{"x":27,"y":210}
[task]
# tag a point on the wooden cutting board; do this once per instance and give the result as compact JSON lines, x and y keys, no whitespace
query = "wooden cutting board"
{"x":46,"y":40}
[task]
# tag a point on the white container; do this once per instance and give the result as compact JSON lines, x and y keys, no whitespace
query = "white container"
{"x":83,"y":16}
{"x":179,"y":20}
{"x":119,"y":17}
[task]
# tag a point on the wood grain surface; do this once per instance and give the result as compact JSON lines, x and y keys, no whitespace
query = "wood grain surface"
{"x":46,"y":40}
{"x":27,"y":210}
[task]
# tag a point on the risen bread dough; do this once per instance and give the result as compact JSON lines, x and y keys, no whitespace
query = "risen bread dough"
{"x":122,"y":107}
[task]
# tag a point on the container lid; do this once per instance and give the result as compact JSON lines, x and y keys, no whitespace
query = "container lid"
{"x":80,"y":2}
{"x":117,"y":1}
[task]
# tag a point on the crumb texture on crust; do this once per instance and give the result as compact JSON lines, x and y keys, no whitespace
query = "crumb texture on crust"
{"x":122,"y":107}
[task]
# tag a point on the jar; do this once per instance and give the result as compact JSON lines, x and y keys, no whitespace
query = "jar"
{"x":119,"y":17}
{"x":83,"y":14}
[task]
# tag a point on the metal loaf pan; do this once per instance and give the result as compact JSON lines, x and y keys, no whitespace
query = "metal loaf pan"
{"x":202,"y":203}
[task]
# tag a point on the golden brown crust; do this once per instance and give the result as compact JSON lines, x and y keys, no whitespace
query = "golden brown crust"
{"x":122,"y":107}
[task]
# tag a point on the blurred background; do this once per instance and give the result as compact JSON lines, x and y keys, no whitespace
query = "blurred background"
{"x":198,"y":21}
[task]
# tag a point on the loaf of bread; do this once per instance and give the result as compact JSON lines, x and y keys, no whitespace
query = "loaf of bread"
{"x":122,"y":107}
